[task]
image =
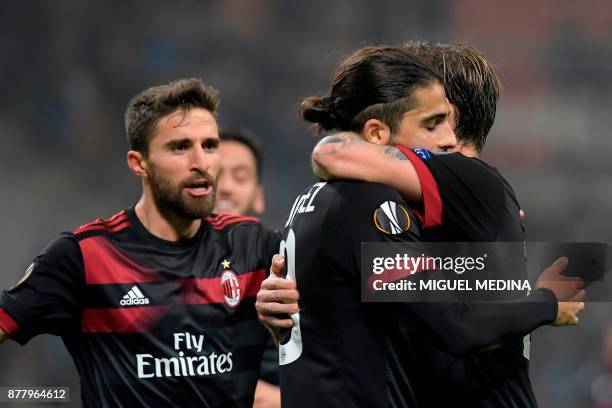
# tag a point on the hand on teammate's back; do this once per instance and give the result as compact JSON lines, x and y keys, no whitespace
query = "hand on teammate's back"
{"x":567,"y":314}
{"x":277,"y":298}
{"x":566,"y":288}
{"x":569,"y":291}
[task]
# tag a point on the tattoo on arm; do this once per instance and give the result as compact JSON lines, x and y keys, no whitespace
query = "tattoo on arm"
{"x":395,"y":153}
{"x":335,"y":142}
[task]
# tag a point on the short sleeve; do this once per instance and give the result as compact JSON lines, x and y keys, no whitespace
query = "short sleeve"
{"x":47,"y":300}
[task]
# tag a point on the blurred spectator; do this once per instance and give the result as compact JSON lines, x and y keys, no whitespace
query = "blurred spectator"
{"x":239,"y":192}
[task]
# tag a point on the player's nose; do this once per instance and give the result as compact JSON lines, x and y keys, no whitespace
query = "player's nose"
{"x":447,"y":140}
{"x":225,"y":184}
{"x":199,"y":160}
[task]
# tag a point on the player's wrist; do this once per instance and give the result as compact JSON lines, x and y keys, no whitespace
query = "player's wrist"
{"x":549,"y":298}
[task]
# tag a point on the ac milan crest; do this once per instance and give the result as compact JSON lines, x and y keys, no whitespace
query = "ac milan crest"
{"x":230,"y":287}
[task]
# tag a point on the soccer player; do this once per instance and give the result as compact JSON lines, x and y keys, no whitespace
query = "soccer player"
{"x":239,"y":192}
{"x":463,"y":199}
{"x":155,"y":304}
{"x":341,"y":352}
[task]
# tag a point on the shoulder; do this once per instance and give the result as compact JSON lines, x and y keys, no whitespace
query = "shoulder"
{"x":367,"y":203}
{"x":225,"y":222}
{"x":65,"y":245}
{"x":61,"y":258}
{"x":113,"y":224}
{"x":463,"y":165}
{"x":458,"y":173}
{"x":245,"y":234}
{"x":237,"y":228}
{"x":370,"y":212}
{"x":365,"y":191}
{"x":360,"y":195}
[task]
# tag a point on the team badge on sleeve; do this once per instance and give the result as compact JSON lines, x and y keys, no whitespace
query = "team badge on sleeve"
{"x":391,"y":218}
{"x":26,"y":275}
{"x":422,"y":153}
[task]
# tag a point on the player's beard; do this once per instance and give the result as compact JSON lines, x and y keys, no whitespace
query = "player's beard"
{"x":174,"y":198}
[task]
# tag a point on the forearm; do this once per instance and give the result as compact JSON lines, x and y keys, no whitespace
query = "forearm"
{"x":346,"y":156}
{"x":338,"y":157}
{"x":266,"y":395}
{"x":464,"y":327}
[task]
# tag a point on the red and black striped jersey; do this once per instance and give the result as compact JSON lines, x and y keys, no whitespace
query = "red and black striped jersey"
{"x":151,"y":322}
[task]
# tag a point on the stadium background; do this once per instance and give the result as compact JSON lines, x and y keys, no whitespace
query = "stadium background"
{"x":69,"y":67}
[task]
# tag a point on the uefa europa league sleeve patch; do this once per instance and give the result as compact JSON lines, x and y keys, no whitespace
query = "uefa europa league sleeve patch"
{"x":26,"y":275}
{"x":422,"y":153}
{"x":391,"y":218}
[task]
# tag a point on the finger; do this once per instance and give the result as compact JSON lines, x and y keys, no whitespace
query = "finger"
{"x":278,"y":295}
{"x":522,"y":215}
{"x":553,"y":272}
{"x":276,"y":308}
{"x":278,"y":283}
{"x":571,"y":307}
{"x":579,"y":297}
{"x":569,"y":288}
{"x":573,"y":280}
{"x":559,"y":265}
{"x":278,"y":263}
{"x":272,"y":283}
{"x":276,"y":322}
{"x":571,"y":320}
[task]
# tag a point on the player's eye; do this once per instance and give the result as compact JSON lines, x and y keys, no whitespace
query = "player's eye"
{"x":211,"y":144}
{"x":179,"y":147}
{"x":241,"y":175}
{"x":434,"y":124}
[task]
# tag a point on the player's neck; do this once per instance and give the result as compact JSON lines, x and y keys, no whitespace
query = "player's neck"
{"x":164,"y":225}
{"x":469,"y":151}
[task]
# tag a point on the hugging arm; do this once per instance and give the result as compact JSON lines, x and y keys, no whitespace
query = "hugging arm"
{"x":346,"y":156}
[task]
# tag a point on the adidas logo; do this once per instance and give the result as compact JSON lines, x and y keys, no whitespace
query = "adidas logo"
{"x":134,"y":297}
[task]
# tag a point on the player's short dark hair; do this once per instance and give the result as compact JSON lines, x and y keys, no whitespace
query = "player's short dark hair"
{"x":146,"y":108}
{"x":471,"y":84}
{"x":248,"y":139}
{"x":374,"y":82}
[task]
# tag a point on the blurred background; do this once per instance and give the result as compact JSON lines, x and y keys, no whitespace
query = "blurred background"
{"x":69,"y":67}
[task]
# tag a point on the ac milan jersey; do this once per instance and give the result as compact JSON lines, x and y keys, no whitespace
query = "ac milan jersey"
{"x":341,"y":352}
{"x":151,"y":322}
{"x":466,"y":200}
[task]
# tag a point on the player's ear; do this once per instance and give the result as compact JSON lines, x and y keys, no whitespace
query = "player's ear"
{"x":137,"y":163}
{"x":376,"y":131}
{"x":259,"y":203}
